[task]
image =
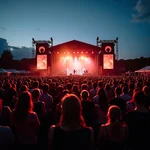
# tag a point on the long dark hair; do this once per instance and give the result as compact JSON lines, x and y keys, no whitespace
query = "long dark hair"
{"x":23,"y":107}
{"x":71,"y":111}
{"x":114,"y":118}
{"x":103,"y":100}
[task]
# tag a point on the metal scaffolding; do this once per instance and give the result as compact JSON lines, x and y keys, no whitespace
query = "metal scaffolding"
{"x":50,"y":42}
{"x":99,"y":42}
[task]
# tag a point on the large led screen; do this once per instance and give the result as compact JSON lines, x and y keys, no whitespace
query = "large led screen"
{"x":108,"y":61}
{"x":41,"y":61}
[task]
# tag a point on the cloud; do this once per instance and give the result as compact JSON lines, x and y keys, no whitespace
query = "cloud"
{"x":18,"y":52}
{"x":21,"y":52}
{"x":2,"y":28}
{"x":142,"y":11}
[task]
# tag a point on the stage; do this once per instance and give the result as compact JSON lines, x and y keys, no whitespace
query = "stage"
{"x":75,"y":58}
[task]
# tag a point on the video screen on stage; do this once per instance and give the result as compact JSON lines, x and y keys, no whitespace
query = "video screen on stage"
{"x":41,"y":61}
{"x":108,"y":61}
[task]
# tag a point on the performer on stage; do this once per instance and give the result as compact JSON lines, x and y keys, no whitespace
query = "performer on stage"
{"x":74,"y":71}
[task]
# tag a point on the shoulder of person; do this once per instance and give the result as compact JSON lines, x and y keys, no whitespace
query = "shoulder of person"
{"x":6,"y":108}
{"x":52,"y":127}
{"x":103,"y":125}
{"x":51,"y":131}
{"x":6,"y":129}
{"x":96,"y":106}
{"x":90,"y":128}
{"x":49,"y":95}
{"x":42,"y":103}
{"x":96,"y":96}
{"x":33,"y":114}
{"x":92,"y":132}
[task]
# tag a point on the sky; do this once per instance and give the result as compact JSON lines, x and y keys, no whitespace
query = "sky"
{"x":83,"y":20}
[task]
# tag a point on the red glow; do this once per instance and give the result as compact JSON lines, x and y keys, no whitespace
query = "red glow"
{"x":108,"y":61}
{"x":66,"y":64}
{"x":41,"y":61}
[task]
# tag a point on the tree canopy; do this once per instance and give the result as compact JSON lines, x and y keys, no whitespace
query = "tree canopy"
{"x":6,"y":59}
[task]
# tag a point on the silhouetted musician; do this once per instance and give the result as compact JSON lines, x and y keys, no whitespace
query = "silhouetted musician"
{"x":74,"y":71}
{"x":85,"y":71}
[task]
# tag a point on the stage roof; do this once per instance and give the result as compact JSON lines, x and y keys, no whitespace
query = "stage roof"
{"x":75,"y":45}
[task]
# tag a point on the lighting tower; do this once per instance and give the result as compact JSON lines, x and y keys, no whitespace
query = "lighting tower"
{"x":33,"y":46}
{"x":99,"y":42}
{"x":117,"y":55}
{"x":50,"y":42}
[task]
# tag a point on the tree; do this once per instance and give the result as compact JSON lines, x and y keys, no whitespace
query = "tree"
{"x":7,"y":55}
{"x":6,"y":59}
{"x":3,"y":45}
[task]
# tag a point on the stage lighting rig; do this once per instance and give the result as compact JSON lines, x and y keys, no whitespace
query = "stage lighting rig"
{"x":34,"y":42}
{"x":99,"y":42}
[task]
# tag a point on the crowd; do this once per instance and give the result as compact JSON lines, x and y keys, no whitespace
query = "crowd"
{"x":75,"y":113}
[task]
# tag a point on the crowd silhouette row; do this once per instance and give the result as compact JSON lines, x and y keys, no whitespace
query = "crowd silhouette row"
{"x":75,"y":113}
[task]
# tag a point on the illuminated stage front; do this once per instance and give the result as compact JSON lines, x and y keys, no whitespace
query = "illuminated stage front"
{"x":75,"y":58}
{"x":79,"y":64}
